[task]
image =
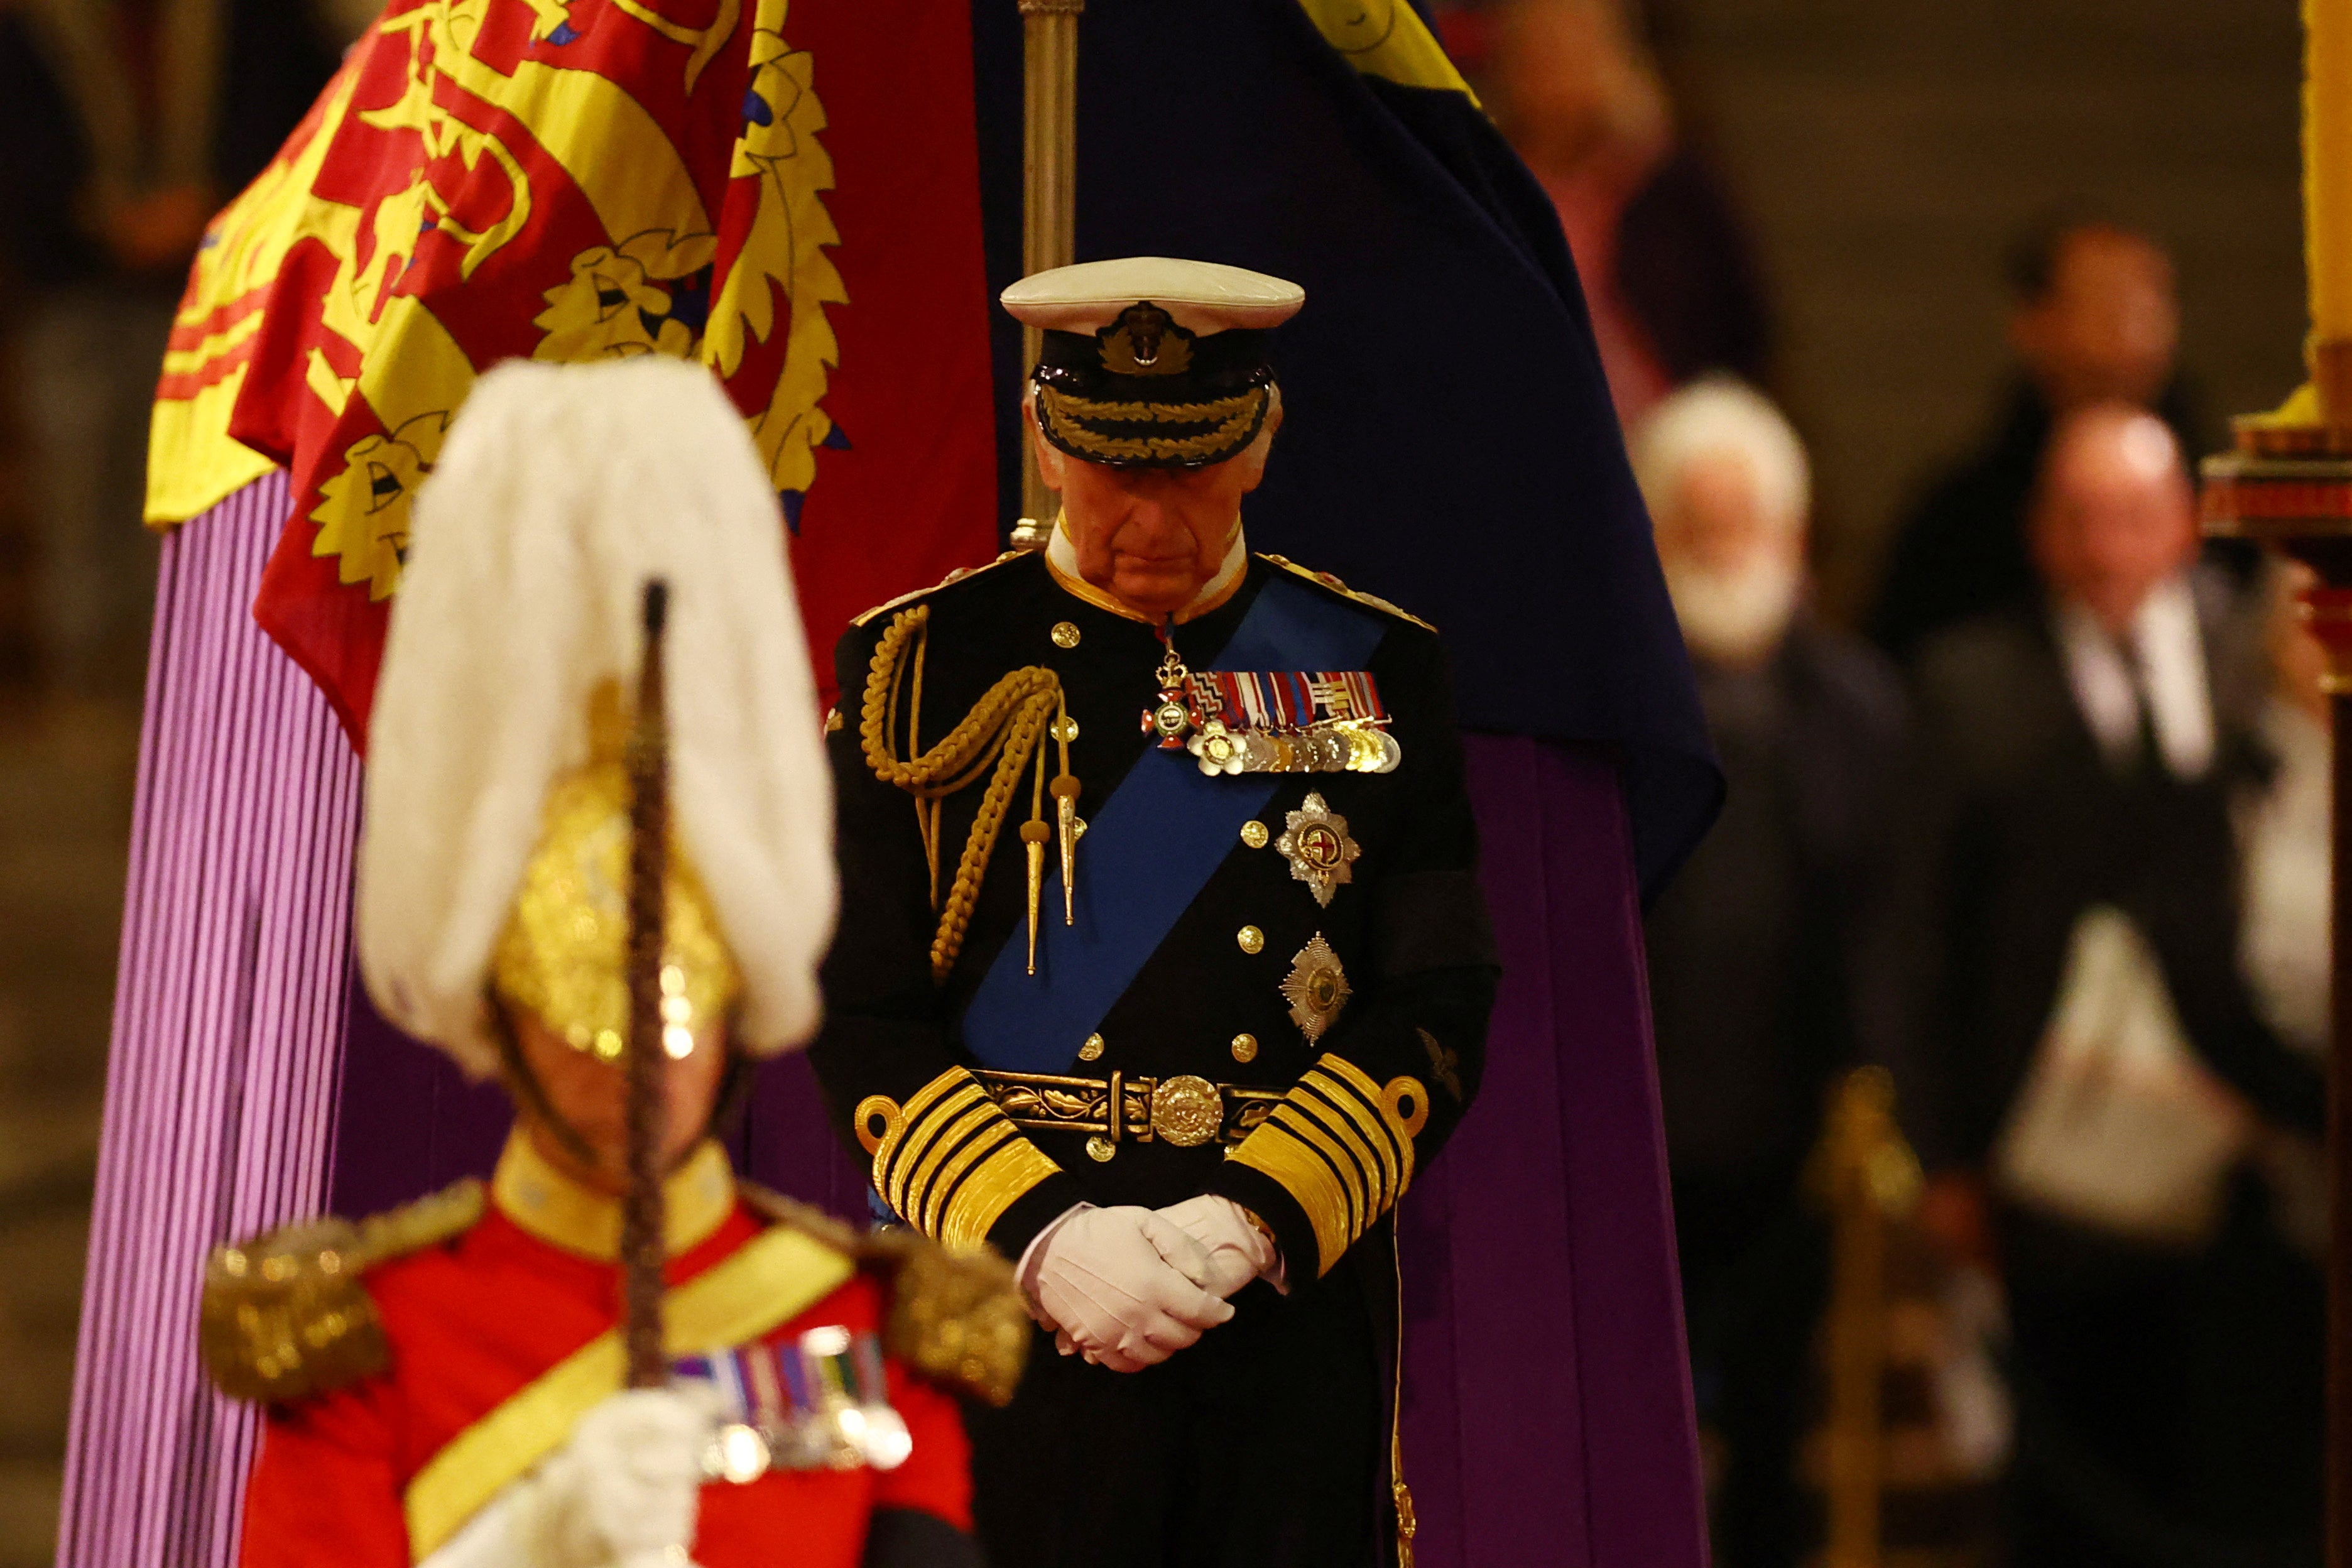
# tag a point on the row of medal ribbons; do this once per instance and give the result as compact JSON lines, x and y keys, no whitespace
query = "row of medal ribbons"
{"x":1302,"y":721}
{"x":1292,"y":699}
{"x":819,"y":1402}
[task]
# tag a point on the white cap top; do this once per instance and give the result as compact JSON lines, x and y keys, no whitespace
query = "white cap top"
{"x":1202,"y":297}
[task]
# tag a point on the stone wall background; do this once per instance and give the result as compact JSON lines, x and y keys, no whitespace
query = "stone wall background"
{"x":1888,"y":150}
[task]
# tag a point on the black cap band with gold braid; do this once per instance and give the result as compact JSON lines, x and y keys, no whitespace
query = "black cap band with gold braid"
{"x":950,"y":1163}
{"x":1151,"y":435}
{"x":1145,"y":392}
{"x":1341,"y":1145}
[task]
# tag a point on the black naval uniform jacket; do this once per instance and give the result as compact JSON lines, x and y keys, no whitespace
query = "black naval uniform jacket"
{"x":1409,"y":929}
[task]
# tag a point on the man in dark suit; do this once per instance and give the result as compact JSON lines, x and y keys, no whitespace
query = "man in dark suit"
{"x":2094,"y":317}
{"x":2078,"y":753}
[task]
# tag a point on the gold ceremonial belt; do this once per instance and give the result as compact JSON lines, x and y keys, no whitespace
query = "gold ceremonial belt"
{"x":1184,"y":1110}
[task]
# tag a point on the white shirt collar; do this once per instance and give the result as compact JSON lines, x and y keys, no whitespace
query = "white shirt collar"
{"x":1062,"y":557}
{"x":2170,"y":648}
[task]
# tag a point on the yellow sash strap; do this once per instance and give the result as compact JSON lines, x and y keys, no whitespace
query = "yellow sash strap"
{"x":773,"y":1278}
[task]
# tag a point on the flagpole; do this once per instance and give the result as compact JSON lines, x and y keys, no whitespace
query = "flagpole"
{"x":2287,"y":484}
{"x":1049,"y":225}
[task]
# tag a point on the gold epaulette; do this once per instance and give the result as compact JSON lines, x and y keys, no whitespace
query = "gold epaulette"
{"x":956,"y":1316}
{"x":1325,"y":580}
{"x":285,"y":1315}
{"x":957,"y":575}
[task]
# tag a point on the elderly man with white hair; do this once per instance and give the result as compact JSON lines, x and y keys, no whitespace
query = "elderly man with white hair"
{"x":1759,"y":976}
{"x":2075,"y":886}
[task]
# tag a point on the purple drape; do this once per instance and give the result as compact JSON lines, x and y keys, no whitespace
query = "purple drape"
{"x":1547,"y":1403}
{"x":227,"y":1035}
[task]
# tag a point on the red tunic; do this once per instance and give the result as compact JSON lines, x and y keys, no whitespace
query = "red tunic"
{"x":470,"y":1323}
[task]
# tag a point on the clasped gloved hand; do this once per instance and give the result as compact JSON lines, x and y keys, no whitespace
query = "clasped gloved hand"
{"x":1237,"y":1249}
{"x":1118,"y":1286}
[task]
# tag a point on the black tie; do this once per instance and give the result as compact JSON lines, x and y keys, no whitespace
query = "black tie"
{"x":2147,"y":757}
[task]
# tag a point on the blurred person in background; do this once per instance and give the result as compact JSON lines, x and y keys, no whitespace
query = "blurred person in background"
{"x":1669,"y":273}
{"x":2284,"y":828}
{"x":2286,"y":852}
{"x":2073,"y":877}
{"x":1762,"y":977}
{"x":2093,"y":318}
{"x":122,"y":123}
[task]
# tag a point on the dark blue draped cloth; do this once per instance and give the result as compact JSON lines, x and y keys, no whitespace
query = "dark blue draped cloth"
{"x":1448,"y":441}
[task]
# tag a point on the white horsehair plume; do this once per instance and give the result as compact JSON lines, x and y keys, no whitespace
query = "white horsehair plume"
{"x":560,"y":492}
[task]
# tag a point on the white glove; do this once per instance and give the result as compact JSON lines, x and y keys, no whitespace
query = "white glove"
{"x":625,"y":1492}
{"x":1117,"y":1285}
{"x":1238,"y":1251}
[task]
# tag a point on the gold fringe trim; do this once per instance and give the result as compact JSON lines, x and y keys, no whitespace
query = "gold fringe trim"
{"x":285,"y":1316}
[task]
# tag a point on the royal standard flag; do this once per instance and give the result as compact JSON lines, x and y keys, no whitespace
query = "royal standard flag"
{"x":783,"y":189}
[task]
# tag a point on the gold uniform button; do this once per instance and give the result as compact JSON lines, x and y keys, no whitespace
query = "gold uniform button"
{"x":1100,"y":1149}
{"x":1066,"y":729}
{"x":1253,"y":940}
{"x":1244,"y":1047}
{"x":1065,"y":634}
{"x":1092,"y":1051}
{"x":1254,"y":835}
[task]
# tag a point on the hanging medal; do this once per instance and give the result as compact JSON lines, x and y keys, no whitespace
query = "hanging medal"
{"x":1171,"y":716}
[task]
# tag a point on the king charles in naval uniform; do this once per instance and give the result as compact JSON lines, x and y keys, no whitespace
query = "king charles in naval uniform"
{"x":443,"y":1382}
{"x":1162,"y":963}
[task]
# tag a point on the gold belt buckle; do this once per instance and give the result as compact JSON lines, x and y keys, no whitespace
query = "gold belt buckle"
{"x":1187,"y":1111}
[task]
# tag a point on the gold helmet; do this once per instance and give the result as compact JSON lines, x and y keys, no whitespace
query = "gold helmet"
{"x":563,"y":953}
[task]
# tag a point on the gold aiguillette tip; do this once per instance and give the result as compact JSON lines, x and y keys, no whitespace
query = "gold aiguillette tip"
{"x":1033,"y":844}
{"x":1066,"y":813}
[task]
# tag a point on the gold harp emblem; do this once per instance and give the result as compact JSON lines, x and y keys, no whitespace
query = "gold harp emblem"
{"x":1145,"y":342}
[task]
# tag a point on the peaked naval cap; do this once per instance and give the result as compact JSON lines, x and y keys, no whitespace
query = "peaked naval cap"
{"x":1150,"y":361}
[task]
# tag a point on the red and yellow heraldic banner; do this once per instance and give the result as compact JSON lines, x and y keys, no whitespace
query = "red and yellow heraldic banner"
{"x":786,"y":190}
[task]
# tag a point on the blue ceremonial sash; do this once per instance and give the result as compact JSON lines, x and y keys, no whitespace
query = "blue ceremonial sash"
{"x":1148,"y":853}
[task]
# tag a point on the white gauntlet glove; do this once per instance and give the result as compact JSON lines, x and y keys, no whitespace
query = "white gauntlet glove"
{"x":1238,"y":1251}
{"x":624,"y":1492}
{"x":1118,"y":1286}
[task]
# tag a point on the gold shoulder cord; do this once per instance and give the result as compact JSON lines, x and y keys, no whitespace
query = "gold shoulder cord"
{"x":1005,"y":729}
